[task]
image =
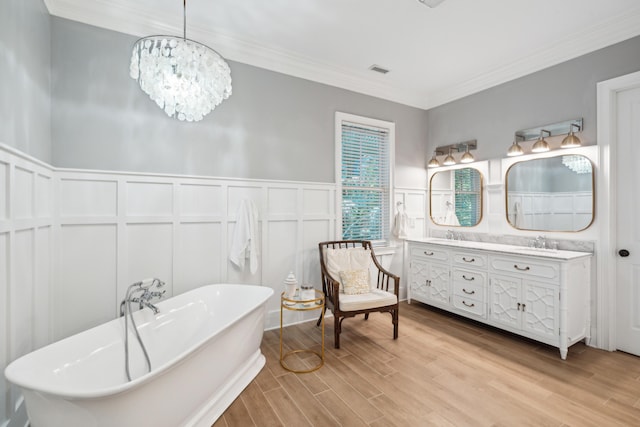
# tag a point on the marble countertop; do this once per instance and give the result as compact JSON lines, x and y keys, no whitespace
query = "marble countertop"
{"x":508,"y":249}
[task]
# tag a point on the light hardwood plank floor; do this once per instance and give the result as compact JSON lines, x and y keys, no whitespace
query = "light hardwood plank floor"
{"x":443,"y":370}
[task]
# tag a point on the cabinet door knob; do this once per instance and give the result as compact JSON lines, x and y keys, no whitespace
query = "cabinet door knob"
{"x":519,"y":306}
{"x":523,"y":306}
{"x":468,"y":305}
{"x":469,"y":279}
{"x":467,"y":292}
{"x":520,"y":268}
{"x":468,"y":260}
{"x":623,"y":253}
{"x":428,"y":253}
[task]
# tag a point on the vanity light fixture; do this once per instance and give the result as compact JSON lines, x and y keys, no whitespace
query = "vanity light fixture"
{"x":571,"y":140}
{"x":467,"y":157}
{"x":449,"y":160}
{"x":551,"y":130}
{"x":459,"y":147}
{"x":434,"y":163}
{"x":541,"y":145}
{"x":515,"y":149}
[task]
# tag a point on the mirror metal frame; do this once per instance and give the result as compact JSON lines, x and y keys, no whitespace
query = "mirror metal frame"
{"x":593,"y":195}
{"x":481,"y":197}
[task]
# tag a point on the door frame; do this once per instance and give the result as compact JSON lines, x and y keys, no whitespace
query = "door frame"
{"x":605,"y":295}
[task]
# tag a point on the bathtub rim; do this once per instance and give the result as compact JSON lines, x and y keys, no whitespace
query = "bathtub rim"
{"x":13,"y":369}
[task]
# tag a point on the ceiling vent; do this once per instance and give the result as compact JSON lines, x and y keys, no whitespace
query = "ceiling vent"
{"x":378,"y":69}
{"x":430,"y":3}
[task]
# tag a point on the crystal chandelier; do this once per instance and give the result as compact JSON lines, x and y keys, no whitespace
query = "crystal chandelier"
{"x":185,"y":78}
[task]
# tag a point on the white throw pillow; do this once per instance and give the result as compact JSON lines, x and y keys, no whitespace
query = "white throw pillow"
{"x":355,"y":282}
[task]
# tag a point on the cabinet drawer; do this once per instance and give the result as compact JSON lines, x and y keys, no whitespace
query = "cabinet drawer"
{"x":469,"y":259}
{"x":469,"y":277}
{"x":469,"y":290}
{"x":526,"y":268}
{"x":469,"y":305}
{"x":430,"y":252}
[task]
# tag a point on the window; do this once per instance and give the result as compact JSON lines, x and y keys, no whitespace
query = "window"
{"x":364,"y":153}
{"x":468,"y":187}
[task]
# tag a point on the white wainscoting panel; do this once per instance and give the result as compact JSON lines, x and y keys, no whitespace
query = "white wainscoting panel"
{"x":44,"y":196}
{"x":314,"y":232}
{"x":85,"y":291}
{"x":149,"y":254}
{"x":282,"y":236}
{"x":199,"y":255}
{"x":26,"y":197}
{"x":43,"y":280}
{"x":83,"y":198}
{"x":150,"y":199}
{"x":282,"y":201}
{"x":318,"y":202}
{"x":22,"y":294}
{"x":201,"y":200}
{"x":23,"y":197}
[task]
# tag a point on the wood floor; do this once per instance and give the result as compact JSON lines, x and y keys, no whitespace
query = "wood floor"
{"x":443,"y":370}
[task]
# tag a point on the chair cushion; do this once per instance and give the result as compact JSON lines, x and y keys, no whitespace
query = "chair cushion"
{"x":373,"y":298}
{"x":344,"y":259}
{"x":355,"y":281}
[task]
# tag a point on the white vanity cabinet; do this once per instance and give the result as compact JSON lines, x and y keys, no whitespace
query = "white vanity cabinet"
{"x":429,"y":276}
{"x":543,"y":295}
{"x":469,"y":272}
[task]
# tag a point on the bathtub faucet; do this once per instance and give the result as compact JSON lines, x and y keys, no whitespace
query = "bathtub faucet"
{"x":144,"y":300}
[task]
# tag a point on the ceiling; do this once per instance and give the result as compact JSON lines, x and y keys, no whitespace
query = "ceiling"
{"x":435,"y":55}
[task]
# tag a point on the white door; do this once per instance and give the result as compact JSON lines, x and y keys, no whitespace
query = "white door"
{"x":628,"y":221}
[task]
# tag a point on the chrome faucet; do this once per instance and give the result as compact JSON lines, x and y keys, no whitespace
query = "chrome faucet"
{"x":144,"y":300}
{"x":540,"y":242}
{"x":454,"y":235}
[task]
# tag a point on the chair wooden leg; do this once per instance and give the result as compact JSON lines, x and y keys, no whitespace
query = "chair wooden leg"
{"x":395,"y":324}
{"x":336,"y":332}
{"x":366,"y":316}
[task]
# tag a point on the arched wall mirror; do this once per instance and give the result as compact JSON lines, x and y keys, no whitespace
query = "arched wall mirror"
{"x":551,"y":194}
{"x":456,"y":197}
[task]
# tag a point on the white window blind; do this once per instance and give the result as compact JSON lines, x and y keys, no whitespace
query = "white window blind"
{"x":365,"y":163}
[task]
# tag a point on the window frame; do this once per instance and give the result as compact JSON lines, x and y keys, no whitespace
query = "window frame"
{"x":390,"y":127}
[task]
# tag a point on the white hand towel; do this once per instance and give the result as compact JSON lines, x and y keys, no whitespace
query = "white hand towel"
{"x":519,"y":215}
{"x":451,"y":218}
{"x":400,"y":224}
{"x":244,"y":244}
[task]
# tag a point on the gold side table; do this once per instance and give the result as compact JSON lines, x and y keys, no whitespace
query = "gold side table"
{"x":298,"y":304}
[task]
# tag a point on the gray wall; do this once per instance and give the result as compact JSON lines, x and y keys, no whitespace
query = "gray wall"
{"x":273,"y":126}
{"x":25,"y":64}
{"x":562,"y":92}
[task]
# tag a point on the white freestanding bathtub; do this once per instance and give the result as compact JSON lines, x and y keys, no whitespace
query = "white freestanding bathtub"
{"x":204,"y":347}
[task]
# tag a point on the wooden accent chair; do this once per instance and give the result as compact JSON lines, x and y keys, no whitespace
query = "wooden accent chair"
{"x":379,"y":299}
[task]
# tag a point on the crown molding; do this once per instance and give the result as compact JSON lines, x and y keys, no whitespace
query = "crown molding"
{"x":123,"y":17}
